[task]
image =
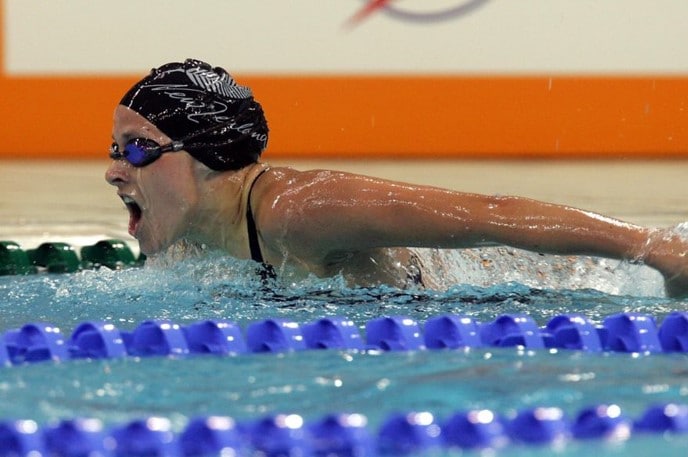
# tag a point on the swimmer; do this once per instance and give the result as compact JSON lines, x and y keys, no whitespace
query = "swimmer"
{"x":187,"y":142}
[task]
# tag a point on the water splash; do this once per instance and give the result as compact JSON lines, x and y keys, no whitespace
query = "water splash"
{"x":481,"y":283}
{"x":490,"y":266}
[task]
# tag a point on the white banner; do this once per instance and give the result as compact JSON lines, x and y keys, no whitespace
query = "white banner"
{"x":348,"y":36}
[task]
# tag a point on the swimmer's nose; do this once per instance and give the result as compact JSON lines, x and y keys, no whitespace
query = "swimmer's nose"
{"x":118,"y":172}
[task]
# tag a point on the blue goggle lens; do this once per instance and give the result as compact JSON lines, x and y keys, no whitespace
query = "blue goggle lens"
{"x":138,"y":151}
{"x":141,"y":152}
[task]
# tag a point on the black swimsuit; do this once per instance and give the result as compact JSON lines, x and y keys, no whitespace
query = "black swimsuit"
{"x":266,"y":271}
{"x":251,"y":225}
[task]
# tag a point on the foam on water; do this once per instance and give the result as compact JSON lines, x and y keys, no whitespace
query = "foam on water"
{"x":214,"y":286}
{"x":491,"y":266}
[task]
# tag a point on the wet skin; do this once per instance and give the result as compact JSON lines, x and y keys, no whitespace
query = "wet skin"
{"x":326,"y":222}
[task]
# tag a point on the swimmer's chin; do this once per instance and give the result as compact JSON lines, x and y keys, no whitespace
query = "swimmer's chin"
{"x":153,"y":249}
{"x":146,"y":247}
{"x":175,"y":251}
{"x":156,"y":245}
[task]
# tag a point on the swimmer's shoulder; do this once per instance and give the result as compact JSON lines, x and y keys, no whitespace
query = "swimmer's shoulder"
{"x":274,"y":194}
{"x":290,"y":183}
{"x":288,"y":208}
{"x":278,"y":191}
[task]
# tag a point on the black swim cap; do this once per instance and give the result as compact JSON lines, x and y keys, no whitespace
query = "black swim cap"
{"x":227,"y":126}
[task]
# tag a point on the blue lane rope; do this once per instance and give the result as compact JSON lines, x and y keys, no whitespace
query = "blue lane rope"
{"x":335,"y":434}
{"x":623,"y":332}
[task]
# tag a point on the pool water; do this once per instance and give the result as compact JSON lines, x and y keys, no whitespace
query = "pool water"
{"x":316,"y":383}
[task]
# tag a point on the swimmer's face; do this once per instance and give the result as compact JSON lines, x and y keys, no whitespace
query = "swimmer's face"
{"x":161,"y":196}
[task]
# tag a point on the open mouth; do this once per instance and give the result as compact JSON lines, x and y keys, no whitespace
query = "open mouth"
{"x":134,"y":214}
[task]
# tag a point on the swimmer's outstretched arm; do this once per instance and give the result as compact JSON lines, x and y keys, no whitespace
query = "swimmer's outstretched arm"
{"x":331,"y":212}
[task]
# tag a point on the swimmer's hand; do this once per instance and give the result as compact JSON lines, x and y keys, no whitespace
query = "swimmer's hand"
{"x":667,"y":251}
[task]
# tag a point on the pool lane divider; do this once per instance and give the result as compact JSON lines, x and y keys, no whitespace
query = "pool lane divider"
{"x":56,"y":257}
{"x":627,"y":332}
{"x":623,"y":332}
{"x":337,"y":434}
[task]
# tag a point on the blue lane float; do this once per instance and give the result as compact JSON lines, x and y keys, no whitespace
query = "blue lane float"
{"x":452,"y":332}
{"x":332,"y":333}
{"x":415,"y":433}
{"x":631,"y":332}
{"x":395,"y":333}
{"x":156,"y":338}
{"x":36,"y":342}
{"x":275,"y":335}
{"x":673,"y":335}
{"x":215,"y":337}
{"x":607,"y":422}
{"x":96,"y":340}
{"x":573,"y":331}
{"x":624,"y":332}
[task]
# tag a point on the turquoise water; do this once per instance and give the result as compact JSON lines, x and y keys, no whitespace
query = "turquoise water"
{"x":316,"y":383}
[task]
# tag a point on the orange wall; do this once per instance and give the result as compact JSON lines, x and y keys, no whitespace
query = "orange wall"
{"x":382,"y":116}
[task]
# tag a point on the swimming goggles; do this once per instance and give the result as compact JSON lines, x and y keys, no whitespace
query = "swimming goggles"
{"x":142,"y":151}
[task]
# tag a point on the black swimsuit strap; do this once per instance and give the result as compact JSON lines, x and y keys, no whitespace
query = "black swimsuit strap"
{"x":251,"y":225}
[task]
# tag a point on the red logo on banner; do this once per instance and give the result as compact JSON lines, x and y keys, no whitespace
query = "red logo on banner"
{"x":416,"y":10}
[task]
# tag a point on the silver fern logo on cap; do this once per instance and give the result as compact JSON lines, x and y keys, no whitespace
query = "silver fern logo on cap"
{"x":219,"y":84}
